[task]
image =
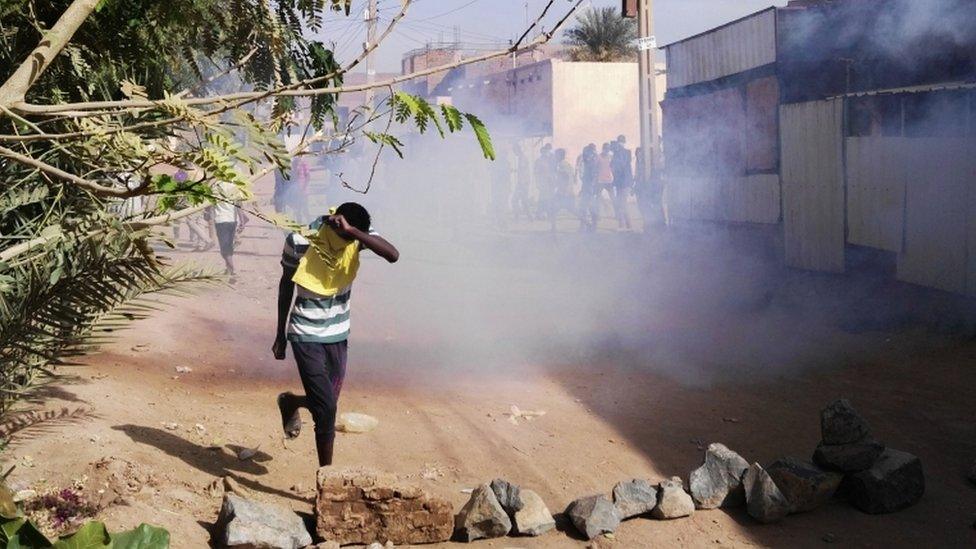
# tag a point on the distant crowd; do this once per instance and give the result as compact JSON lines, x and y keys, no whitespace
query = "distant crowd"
{"x":611,"y":173}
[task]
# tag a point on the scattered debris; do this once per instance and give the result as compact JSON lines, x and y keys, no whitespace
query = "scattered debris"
{"x":141,"y":347}
{"x":634,"y":497}
{"x":829,"y":538}
{"x":594,"y":515}
{"x":253,"y":524}
{"x":533,"y":518}
{"x":354,"y":422}
{"x":183,"y":369}
{"x":431,"y":471}
{"x":892,"y":483}
{"x":24,"y":495}
{"x":764,"y":500}
{"x":718,"y":482}
{"x":804,"y":485}
{"x":730,"y":420}
{"x":247,"y":453}
{"x":514,"y":414}
{"x":673,"y":502}
{"x":482,"y":517}
{"x":170,"y":426}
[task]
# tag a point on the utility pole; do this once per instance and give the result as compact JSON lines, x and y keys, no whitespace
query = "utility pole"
{"x":648,"y":88}
{"x":371,"y":16}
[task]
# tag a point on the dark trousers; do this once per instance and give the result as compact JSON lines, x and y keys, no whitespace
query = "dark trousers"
{"x":322,"y":367}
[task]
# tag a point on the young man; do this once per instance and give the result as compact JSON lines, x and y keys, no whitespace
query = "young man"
{"x":623,"y":181}
{"x":227,"y":218}
{"x":318,"y":327}
{"x":564,"y":181}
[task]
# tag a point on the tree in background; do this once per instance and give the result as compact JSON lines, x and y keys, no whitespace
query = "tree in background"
{"x":102,"y":101}
{"x":603,"y":35}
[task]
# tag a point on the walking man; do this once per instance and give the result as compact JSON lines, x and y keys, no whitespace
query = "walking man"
{"x":321,"y":270}
{"x":623,"y":180}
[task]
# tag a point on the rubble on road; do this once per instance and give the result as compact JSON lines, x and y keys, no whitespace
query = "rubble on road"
{"x":593,"y":515}
{"x":362,"y":506}
{"x":533,"y":518}
{"x":841,"y":424}
{"x":718,"y":482}
{"x":764,"y":500}
{"x":482,"y":517}
{"x":846,"y":443}
{"x":634,"y":497}
{"x":246,"y":523}
{"x":892,"y":483}
{"x":673,"y":502}
{"x":355,"y":422}
{"x":508,"y":495}
{"x":805,"y":485}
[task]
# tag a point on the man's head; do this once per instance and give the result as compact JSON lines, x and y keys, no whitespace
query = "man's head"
{"x":606,"y":147}
{"x":356,"y":215}
{"x":621,"y":139}
{"x":546,"y":148}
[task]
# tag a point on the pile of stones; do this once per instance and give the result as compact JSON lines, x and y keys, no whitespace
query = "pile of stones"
{"x":355,"y":506}
{"x":500,"y":508}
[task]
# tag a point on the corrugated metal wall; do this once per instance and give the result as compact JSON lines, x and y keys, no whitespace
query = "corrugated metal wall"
{"x":813,"y":184}
{"x":746,"y":199}
{"x":734,"y":48}
{"x":876,"y":173}
{"x":940,"y":213}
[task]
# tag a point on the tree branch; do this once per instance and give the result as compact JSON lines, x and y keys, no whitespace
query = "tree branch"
{"x":53,"y":41}
{"x":296,"y":90}
{"x":63,"y":175}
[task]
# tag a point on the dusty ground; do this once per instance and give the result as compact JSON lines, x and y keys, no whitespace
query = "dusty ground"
{"x":732,"y":361}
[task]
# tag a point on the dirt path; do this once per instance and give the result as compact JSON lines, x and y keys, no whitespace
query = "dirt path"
{"x":610,"y":415}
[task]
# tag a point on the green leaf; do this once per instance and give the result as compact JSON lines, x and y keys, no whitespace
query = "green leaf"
{"x":481,"y":132}
{"x":90,"y":536}
{"x":142,"y":537}
{"x":27,"y":536}
{"x":453,"y":117}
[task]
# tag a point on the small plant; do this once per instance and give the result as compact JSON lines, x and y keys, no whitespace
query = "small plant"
{"x":62,"y":509}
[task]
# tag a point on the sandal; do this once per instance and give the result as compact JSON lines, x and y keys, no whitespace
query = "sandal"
{"x":291,"y":422}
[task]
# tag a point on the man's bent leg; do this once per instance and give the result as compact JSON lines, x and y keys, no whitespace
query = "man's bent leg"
{"x":314,"y":367}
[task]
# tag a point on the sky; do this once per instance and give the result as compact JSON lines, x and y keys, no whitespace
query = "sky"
{"x":490,"y":23}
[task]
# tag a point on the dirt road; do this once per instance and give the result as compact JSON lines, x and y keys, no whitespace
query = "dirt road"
{"x":737,"y":359}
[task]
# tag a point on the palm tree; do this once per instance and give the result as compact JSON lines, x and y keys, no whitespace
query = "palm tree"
{"x":602,"y":34}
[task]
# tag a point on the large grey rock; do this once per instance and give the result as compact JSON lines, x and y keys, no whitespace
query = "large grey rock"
{"x":593,"y":515}
{"x":507,"y":495}
{"x":252,"y":524}
{"x":672,"y":500}
{"x":764,"y":500}
{"x":634,"y":497}
{"x":841,"y":424}
{"x":894,"y":482}
{"x":848,"y":458}
{"x":533,"y":518}
{"x":482,"y":516}
{"x":805,"y":485}
{"x":718,"y":482}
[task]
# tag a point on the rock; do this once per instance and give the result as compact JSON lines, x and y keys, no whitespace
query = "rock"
{"x":593,"y":515}
{"x":841,"y":424}
{"x":534,"y":518}
{"x":507,"y":495}
{"x":634,"y":497}
{"x":718,"y":482}
{"x":360,"y":506}
{"x":247,"y":523}
{"x":848,"y":458}
{"x":805,"y":485}
{"x":482,"y":517}
{"x":893,"y":483}
{"x":672,"y":500}
{"x":328,"y":545}
{"x":764,"y":500}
